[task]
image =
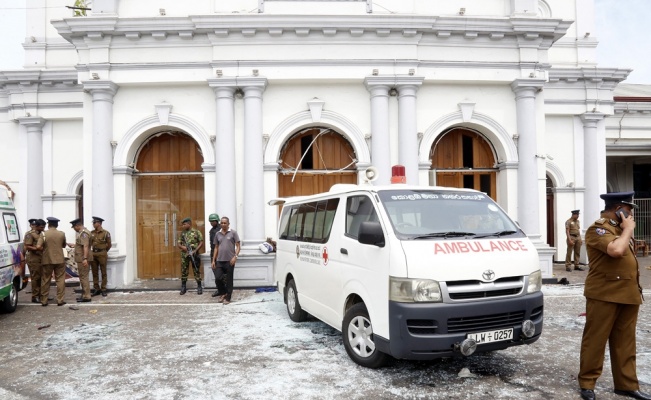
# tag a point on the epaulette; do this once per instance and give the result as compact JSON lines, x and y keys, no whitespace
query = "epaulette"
{"x":600,"y":221}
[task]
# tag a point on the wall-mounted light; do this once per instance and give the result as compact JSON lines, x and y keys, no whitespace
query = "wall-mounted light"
{"x":587,"y":34}
{"x":219,"y":73}
{"x":412,"y":71}
{"x":239,"y":93}
{"x":462,"y":11}
{"x":161,"y":11}
{"x":95,"y":75}
{"x":375,"y":72}
{"x":255,"y":72}
{"x":393,"y":92}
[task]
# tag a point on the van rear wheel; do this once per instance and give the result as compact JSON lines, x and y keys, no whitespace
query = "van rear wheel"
{"x":294,"y":309}
{"x":11,"y":302}
{"x":358,"y":338}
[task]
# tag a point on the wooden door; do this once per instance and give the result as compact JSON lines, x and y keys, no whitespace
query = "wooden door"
{"x":464,"y":159}
{"x":322,"y":157}
{"x":164,"y":197}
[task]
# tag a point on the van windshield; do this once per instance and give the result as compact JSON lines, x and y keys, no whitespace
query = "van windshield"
{"x":425,"y":214}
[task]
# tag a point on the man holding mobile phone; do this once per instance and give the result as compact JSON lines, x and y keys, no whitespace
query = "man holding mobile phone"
{"x":613,"y":297}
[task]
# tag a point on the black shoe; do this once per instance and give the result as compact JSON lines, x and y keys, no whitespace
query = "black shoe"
{"x":183,"y":289}
{"x":63,"y":303}
{"x":35,"y":300}
{"x":82,"y":300}
{"x":199,"y":289}
{"x":587,"y":394}
{"x":579,"y":269}
{"x":44,"y":304}
{"x":215,"y":294}
{"x":636,"y":394}
{"x":104,"y":294}
{"x":95,"y":292}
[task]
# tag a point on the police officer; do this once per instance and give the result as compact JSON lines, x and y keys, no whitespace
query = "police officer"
{"x":54,"y":241}
{"x":83,"y":257}
{"x":34,"y":246}
{"x":101,"y":244}
{"x":190,"y":242}
{"x":613,"y":297}
{"x":573,"y":236}
{"x":214,"y":223}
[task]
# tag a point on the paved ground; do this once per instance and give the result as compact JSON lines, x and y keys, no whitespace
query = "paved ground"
{"x":156,"y":344}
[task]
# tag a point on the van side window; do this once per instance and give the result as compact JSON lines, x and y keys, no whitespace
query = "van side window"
{"x":308,"y":222}
{"x":12,"y":232}
{"x":358,"y":209}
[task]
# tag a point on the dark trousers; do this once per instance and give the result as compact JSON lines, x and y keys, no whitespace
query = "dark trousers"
{"x":224,"y":278}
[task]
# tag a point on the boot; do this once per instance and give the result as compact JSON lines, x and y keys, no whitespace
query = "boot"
{"x":199,"y":288}
{"x":183,"y":288}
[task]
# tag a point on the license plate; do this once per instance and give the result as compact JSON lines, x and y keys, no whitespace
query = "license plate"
{"x":492,"y":336}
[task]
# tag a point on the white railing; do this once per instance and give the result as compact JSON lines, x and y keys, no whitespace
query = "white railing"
{"x":369,"y":3}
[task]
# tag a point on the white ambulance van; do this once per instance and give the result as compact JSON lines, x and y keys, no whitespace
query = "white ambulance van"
{"x":411,"y":272}
{"x":12,"y":265}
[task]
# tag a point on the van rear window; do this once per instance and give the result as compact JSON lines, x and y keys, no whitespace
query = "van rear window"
{"x":308,"y":222}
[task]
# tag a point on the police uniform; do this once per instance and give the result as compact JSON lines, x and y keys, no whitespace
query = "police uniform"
{"x":53,"y":260}
{"x":34,"y":238}
{"x":573,"y":226}
{"x":613,"y":297}
{"x":101,"y":244}
{"x":191,"y":238}
{"x":83,"y":242}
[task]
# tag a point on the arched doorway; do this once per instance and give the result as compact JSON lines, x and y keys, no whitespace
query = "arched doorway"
{"x":313,"y":160}
{"x":463,"y":158}
{"x":169,"y":188}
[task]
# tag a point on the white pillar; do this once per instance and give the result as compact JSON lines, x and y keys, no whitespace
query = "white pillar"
{"x":225,"y":200}
{"x":33,"y":165}
{"x":380,"y":137}
{"x":528,"y":191}
{"x":594,"y":165}
{"x":101,"y":179}
{"x":407,"y":128}
{"x":253,"y":209}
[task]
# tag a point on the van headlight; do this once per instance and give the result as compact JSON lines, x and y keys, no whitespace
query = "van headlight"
{"x":535,"y":282}
{"x":414,"y":290}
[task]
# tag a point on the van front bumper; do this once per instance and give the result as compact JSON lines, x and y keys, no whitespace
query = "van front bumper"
{"x":424,"y":331}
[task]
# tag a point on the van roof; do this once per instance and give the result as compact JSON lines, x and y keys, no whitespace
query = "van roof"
{"x":341,"y":188}
{"x":5,"y":200}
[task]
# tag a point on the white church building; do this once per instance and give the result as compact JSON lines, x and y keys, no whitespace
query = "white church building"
{"x":147,"y":112}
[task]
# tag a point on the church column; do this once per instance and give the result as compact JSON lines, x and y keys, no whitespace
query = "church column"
{"x":253,"y":209}
{"x":33,"y":165}
{"x":380,"y":140}
{"x":225,"y":200}
{"x":407,"y":127}
{"x":594,"y":165}
{"x":100,"y":186}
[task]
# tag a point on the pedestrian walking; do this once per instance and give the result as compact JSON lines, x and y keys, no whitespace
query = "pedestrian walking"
{"x":83,"y":258}
{"x":54,"y":241}
{"x":33,"y":242}
{"x":100,"y":243}
{"x":613,"y":297}
{"x":573,"y":236}
{"x":227,"y":249}
{"x":190,"y":242}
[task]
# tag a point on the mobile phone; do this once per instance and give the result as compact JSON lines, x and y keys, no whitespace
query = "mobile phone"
{"x":622,"y":214}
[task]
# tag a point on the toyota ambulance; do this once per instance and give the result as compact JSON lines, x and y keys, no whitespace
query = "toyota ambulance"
{"x":410,"y":272}
{"x":12,"y":266}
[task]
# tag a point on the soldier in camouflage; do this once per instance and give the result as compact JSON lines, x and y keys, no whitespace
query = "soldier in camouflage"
{"x":190,"y":242}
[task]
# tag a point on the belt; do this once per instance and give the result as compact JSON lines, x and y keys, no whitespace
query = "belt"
{"x":574,"y":234}
{"x":98,"y":250}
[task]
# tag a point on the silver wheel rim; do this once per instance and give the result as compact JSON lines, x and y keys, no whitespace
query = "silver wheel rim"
{"x":13,"y":296}
{"x":291,"y":300}
{"x":360,"y":336}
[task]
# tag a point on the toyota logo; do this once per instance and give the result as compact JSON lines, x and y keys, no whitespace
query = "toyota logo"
{"x":488,"y":275}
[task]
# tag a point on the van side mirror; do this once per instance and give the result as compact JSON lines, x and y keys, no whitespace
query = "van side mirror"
{"x":371,"y":233}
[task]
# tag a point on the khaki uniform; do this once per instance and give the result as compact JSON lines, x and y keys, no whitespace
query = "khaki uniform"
{"x":34,"y":238}
{"x":100,"y":241}
{"x":574,"y":227}
{"x":613,"y":297}
{"x":53,"y":260}
{"x":83,"y":241}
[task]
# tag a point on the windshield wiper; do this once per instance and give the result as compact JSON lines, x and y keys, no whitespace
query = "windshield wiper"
{"x":498,"y":234}
{"x":444,"y":234}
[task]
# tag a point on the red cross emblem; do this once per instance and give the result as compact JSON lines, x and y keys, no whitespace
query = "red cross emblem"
{"x":325,"y":256}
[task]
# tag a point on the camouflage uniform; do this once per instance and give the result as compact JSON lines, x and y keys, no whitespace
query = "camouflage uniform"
{"x":191,"y":239}
{"x":34,"y":238}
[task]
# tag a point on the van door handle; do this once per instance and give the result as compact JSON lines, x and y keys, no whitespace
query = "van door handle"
{"x":343,"y":251}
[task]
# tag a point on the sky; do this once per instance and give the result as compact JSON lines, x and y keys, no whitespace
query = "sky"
{"x":620,"y":27}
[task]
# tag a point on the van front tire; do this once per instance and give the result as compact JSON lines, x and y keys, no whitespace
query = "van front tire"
{"x":294,"y":309}
{"x":10,"y":302}
{"x":357,"y":332}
